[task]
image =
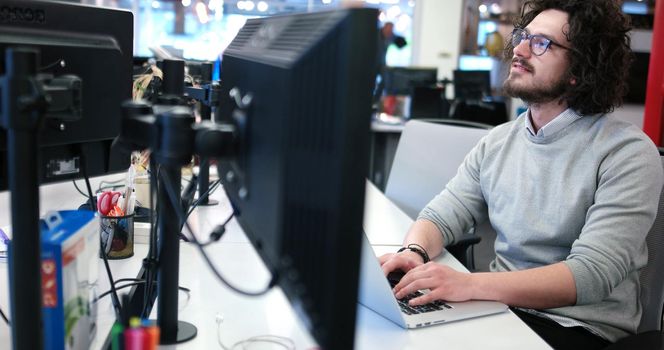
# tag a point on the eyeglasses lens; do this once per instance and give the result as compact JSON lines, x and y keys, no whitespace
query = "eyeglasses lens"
{"x":538,"y":44}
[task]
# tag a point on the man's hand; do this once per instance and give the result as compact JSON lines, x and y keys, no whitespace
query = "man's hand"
{"x":443,"y":282}
{"x":423,"y":233}
{"x":404,"y":261}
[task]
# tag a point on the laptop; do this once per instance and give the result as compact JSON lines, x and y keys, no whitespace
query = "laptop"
{"x":376,"y":294}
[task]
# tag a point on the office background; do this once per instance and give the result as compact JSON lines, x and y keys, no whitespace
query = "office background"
{"x":445,"y":35}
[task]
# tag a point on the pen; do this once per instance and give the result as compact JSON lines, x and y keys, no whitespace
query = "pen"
{"x":129,"y":185}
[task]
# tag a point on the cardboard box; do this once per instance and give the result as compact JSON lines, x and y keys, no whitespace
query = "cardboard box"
{"x":69,"y":271}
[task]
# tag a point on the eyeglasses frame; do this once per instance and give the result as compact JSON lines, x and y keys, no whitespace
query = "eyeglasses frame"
{"x":529,"y":37}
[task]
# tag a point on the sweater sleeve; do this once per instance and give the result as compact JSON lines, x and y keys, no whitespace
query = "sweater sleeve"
{"x":461,"y":204}
{"x":611,"y":244}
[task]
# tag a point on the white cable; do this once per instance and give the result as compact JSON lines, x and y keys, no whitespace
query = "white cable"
{"x":283,"y":342}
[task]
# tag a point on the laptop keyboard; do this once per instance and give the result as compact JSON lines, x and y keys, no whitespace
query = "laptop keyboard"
{"x":412,"y":310}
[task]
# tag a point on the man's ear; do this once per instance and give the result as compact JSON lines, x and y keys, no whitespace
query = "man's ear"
{"x":572,"y":81}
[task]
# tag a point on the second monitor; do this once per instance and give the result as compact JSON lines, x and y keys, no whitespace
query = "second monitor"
{"x":403,"y":80}
{"x":301,"y":92}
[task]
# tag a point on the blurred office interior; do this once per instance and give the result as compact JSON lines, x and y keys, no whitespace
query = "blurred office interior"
{"x":450,"y":68}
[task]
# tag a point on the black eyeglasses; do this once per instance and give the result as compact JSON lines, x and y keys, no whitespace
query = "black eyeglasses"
{"x":538,"y":43}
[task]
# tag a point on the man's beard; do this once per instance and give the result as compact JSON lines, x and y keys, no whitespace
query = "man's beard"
{"x":538,"y":93}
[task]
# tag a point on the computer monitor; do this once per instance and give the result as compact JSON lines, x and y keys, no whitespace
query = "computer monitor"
{"x":471,"y":85}
{"x":476,"y":62}
{"x":94,"y":44}
{"x":404,"y":80}
{"x":304,"y":91}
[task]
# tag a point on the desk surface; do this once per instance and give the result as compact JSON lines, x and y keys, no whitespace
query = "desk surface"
{"x":245,"y":317}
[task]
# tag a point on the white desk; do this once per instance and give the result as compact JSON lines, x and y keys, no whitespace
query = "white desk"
{"x":272,"y":314}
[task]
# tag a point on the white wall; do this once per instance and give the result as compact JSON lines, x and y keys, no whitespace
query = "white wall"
{"x":436,"y":35}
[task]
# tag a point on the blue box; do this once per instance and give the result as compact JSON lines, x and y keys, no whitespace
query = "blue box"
{"x":69,"y":275}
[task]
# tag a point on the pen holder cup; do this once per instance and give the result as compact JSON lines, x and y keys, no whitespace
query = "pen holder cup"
{"x":117,"y":236}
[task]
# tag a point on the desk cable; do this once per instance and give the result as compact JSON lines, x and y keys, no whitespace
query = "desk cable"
{"x":4,"y":317}
{"x":109,"y":185}
{"x":173,"y":198}
{"x":135,"y":282}
{"x":283,"y":342}
{"x":150,"y":262}
{"x":114,"y":295}
{"x":79,"y":190}
{"x":216,"y":184}
{"x":104,"y":185}
{"x":91,"y":198}
{"x":206,"y":194}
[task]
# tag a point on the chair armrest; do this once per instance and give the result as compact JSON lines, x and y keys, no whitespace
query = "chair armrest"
{"x":462,"y":250}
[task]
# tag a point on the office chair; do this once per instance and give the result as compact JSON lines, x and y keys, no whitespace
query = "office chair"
{"x":650,"y":334}
{"x":427,"y":157}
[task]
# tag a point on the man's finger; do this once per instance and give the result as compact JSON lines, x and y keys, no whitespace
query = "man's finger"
{"x":421,"y":300}
{"x":385,"y":257}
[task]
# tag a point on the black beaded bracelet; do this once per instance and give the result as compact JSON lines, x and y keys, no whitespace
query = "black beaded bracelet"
{"x":413,"y":247}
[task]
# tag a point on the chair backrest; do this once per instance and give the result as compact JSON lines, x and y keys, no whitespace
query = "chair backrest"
{"x":427,"y":157}
{"x":652,"y":282}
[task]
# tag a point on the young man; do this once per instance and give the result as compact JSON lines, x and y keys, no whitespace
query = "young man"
{"x":571,"y":192}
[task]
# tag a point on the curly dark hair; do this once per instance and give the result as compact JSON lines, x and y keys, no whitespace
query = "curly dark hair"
{"x":600,"y":56}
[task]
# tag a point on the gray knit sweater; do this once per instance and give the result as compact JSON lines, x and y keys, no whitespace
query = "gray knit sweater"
{"x":586,"y":195}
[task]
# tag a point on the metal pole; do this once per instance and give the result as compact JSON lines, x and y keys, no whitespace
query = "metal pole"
{"x":21,"y":119}
{"x":169,"y":252}
{"x":204,"y":163}
{"x":174,"y":151}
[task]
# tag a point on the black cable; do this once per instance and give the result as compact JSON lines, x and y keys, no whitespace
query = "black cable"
{"x":93,"y":202}
{"x":213,"y":187}
{"x":118,"y":288}
{"x":128,"y":280}
{"x":218,"y":231}
{"x":173,"y":198}
{"x":195,"y":204}
{"x":79,"y":190}
{"x":135,"y":283}
{"x":205,"y":194}
{"x":4,"y":317}
{"x":114,"y":296}
{"x":151,"y":259}
{"x":186,"y":200}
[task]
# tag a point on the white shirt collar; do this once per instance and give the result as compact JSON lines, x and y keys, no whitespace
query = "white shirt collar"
{"x":558,"y":123}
